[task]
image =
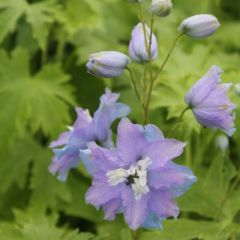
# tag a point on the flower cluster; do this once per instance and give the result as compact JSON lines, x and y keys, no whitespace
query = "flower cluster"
{"x":136,"y":176}
{"x":86,"y":129}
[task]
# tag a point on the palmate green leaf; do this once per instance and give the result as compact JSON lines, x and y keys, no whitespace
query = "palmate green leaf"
{"x":39,"y":15}
{"x":40,"y":101}
{"x":15,"y":167}
{"x":207,"y":197}
{"x":184,"y":229}
{"x":46,"y":189}
{"x":31,"y":225}
{"x":97,"y":38}
{"x":11,"y":11}
{"x":79,"y":14}
{"x":77,"y":207}
{"x":15,"y":163}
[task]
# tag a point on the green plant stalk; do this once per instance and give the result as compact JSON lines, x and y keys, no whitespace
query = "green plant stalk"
{"x":153,"y":78}
{"x":148,"y":47}
{"x":134,"y":234}
{"x":168,"y":55}
{"x":134,"y":86}
{"x":179,"y":121}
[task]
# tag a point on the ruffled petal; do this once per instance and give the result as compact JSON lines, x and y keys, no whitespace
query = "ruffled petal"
{"x":162,"y":204}
{"x":218,"y":119}
{"x":104,"y":159}
{"x":101,"y":192}
{"x":107,"y":113}
{"x":162,"y":151}
{"x":151,"y":132}
{"x":202,"y":88}
{"x":68,"y":159}
{"x":153,"y":221}
{"x":83,"y":118}
{"x":135,"y":211}
{"x":178,"y":179}
{"x":130,"y":141}
{"x":111,"y":208}
{"x":62,"y":139}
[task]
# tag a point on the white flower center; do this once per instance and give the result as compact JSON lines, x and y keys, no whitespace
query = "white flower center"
{"x":136,"y":176}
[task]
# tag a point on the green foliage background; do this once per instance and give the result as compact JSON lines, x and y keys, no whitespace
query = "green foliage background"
{"x":44,"y":45}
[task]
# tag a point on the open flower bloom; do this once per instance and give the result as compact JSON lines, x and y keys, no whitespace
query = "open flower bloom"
{"x":86,"y":129}
{"x":138,"y":177}
{"x":209,"y":102}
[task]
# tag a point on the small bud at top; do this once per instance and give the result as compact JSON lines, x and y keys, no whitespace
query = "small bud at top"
{"x":135,"y":1}
{"x":222,"y":142}
{"x":161,"y":8}
{"x":107,"y":64}
{"x":237,"y":88}
{"x":200,"y":26}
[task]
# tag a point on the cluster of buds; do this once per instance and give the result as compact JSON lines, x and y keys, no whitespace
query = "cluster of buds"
{"x":110,"y":64}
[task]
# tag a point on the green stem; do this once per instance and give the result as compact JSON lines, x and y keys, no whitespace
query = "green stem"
{"x":179,"y":121}
{"x":60,"y":49}
{"x":134,"y":86}
{"x":134,"y":234}
{"x":168,"y":55}
{"x":234,"y":184}
{"x":148,"y":47}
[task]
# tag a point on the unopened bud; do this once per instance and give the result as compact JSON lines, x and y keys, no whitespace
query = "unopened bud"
{"x":139,"y":44}
{"x":200,"y":26}
{"x":161,"y":8}
{"x":107,"y":64}
{"x":237,"y":88}
{"x":222,"y":142}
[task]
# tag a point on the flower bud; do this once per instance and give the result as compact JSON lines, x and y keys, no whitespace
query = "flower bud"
{"x":107,"y":64}
{"x":199,"y":26}
{"x":161,"y":8}
{"x":138,"y":47}
{"x":135,"y":1}
{"x":222,"y":142}
{"x":237,"y":89}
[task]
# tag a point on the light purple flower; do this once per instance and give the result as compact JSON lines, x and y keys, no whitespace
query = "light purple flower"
{"x":138,"y":177}
{"x":209,"y":102}
{"x":200,"y":26}
{"x":86,"y":129}
{"x":138,"y":46}
{"x":107,"y":64}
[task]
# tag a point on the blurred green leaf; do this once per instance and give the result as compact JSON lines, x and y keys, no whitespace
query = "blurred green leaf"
{"x":184,"y":229}
{"x":29,"y":100}
{"x":11,"y":11}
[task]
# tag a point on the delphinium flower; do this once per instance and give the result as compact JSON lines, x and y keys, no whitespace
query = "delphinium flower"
{"x":84,"y":130}
{"x":209,"y":102}
{"x":107,"y":64}
{"x":138,"y":46}
{"x":200,"y":26}
{"x":138,"y":178}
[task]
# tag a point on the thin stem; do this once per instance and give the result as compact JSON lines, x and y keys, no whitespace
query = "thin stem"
{"x":168,"y":55}
{"x":234,"y":184}
{"x":134,"y":86}
{"x":60,"y":49}
{"x":149,"y":47}
{"x":179,"y":121}
{"x":134,"y":234}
